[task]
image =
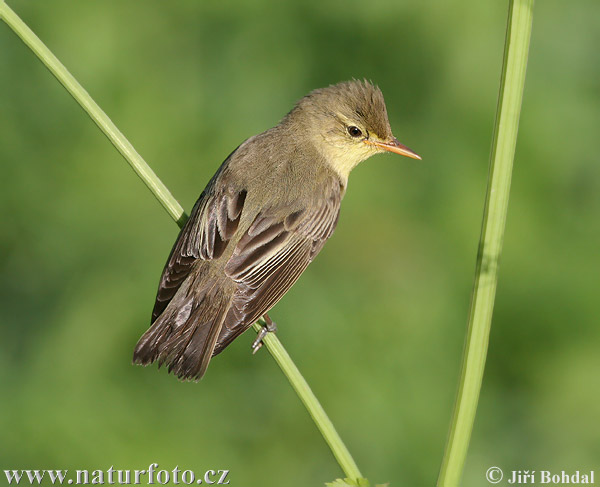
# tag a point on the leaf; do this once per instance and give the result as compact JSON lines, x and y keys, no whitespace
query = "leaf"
{"x":350,"y":483}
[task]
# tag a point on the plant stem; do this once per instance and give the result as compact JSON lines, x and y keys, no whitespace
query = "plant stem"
{"x":518,"y":33}
{"x":164,"y":196}
{"x":312,"y":404}
{"x":95,"y":112}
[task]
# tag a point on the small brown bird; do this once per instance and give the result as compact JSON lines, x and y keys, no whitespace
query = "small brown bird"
{"x":260,"y":221}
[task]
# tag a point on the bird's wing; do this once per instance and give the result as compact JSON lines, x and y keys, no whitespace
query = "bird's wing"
{"x":272,"y":254}
{"x":212,"y":222}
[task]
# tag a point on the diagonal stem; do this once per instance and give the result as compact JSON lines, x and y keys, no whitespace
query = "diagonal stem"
{"x":105,"y":124}
{"x":164,"y":196}
{"x":518,"y":33}
{"x":316,"y":411}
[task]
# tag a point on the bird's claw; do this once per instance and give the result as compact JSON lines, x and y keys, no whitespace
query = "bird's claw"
{"x":268,"y":327}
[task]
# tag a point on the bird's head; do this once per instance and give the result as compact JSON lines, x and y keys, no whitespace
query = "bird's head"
{"x":347,"y":123}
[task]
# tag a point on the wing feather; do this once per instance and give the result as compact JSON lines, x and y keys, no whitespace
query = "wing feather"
{"x":212,"y":222}
{"x":272,"y":255}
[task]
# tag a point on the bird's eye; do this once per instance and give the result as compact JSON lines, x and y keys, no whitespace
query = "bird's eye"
{"x":354,"y":131}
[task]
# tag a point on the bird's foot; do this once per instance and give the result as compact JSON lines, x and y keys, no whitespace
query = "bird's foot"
{"x":269,"y":327}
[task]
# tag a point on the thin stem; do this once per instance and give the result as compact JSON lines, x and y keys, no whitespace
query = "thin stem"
{"x":516,"y":49}
{"x":105,"y":124}
{"x":311,"y":403}
{"x":163,"y":195}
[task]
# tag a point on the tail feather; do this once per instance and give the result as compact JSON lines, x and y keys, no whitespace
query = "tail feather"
{"x":184,"y":336}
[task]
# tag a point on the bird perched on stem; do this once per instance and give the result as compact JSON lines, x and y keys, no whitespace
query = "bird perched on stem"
{"x":260,"y":221}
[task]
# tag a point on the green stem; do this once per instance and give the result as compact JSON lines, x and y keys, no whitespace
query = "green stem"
{"x":164,"y":196}
{"x":95,"y":112}
{"x":516,"y":48}
{"x":312,"y":404}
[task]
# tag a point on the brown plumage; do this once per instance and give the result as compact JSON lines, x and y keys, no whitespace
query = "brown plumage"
{"x":261,"y":220}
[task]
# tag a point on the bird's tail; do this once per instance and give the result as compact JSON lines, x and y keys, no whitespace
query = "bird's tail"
{"x":185,"y":334}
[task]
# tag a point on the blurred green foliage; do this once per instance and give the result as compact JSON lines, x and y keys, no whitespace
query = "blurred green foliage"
{"x":377,"y":323}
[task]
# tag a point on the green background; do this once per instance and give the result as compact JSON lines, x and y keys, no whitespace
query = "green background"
{"x":377,"y":323}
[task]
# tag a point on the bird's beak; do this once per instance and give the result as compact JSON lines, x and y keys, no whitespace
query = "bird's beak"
{"x":395,"y":147}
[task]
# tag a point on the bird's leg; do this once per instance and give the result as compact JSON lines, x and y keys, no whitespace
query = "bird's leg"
{"x":270,"y":327}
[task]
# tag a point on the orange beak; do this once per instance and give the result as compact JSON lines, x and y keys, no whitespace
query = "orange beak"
{"x":395,"y":147}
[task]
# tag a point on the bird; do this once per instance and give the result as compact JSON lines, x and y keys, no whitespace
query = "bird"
{"x":260,"y":221}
